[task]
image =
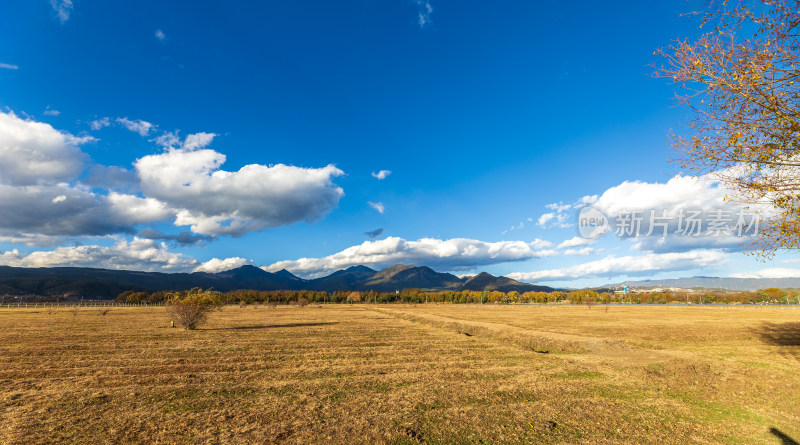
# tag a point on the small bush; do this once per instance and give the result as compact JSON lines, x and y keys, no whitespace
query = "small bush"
{"x":190,"y":309}
{"x":302,"y":302}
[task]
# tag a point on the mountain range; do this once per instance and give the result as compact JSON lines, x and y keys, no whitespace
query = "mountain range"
{"x":77,"y":282}
{"x":729,"y":283}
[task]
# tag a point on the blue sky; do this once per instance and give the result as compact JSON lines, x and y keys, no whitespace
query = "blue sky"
{"x":484,"y":113}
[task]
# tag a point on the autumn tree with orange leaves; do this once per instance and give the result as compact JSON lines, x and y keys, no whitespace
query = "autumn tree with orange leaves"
{"x":740,"y":79}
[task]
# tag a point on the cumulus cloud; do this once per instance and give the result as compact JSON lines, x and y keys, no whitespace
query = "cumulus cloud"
{"x":38,"y":200}
{"x":8,"y":66}
{"x":62,"y":8}
{"x":216,"y":265}
{"x":44,"y":202}
{"x":36,"y":153}
{"x":137,"y":126}
{"x":63,"y":211}
{"x":138,"y":254}
{"x":135,"y":210}
{"x":160,"y":36}
{"x":51,"y":112}
{"x":450,"y":254}
{"x":381,"y":175}
{"x":217,"y":202}
{"x":612,"y":266}
{"x":664,"y":207}
{"x":377,"y":206}
{"x":374,"y":233}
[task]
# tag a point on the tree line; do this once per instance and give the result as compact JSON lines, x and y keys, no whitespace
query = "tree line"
{"x":589,"y":297}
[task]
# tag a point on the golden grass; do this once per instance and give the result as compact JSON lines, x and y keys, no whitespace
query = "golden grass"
{"x":402,"y":374}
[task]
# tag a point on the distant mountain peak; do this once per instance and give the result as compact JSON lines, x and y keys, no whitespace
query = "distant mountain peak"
{"x":286,"y":274}
{"x":247,"y":269}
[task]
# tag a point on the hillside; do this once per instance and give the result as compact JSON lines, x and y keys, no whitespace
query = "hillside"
{"x":78,"y":282}
{"x":488,"y":282}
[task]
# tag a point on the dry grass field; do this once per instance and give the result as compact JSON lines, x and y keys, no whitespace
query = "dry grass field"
{"x":402,"y":374}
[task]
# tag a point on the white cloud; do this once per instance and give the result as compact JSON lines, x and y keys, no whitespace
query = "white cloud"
{"x":135,"y":210}
{"x":680,"y":195}
{"x":216,"y":202}
{"x":377,"y":206}
{"x":159,"y":34}
{"x":558,"y":218}
{"x":137,"y":254}
{"x":216,"y":265}
{"x":584,"y":251}
{"x":559,"y":207}
{"x":381,"y":175}
{"x":170,"y":140}
{"x":60,"y":210}
{"x":62,"y":8}
{"x":774,"y":272}
{"x":35,"y":152}
{"x":424,"y":13}
{"x":545,"y":218}
{"x":138,"y":126}
{"x":541,"y":244}
{"x":8,"y":66}
{"x":51,"y":112}
{"x":561,"y":213}
{"x":575,"y":241}
{"x":43,"y":202}
{"x":628,"y":265}
{"x":40,"y":200}
{"x":450,"y":254}
{"x":198,"y":140}
{"x":98,"y":124}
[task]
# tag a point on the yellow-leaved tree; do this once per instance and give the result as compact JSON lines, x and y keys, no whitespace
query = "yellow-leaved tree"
{"x":740,"y":79}
{"x":190,"y":309}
